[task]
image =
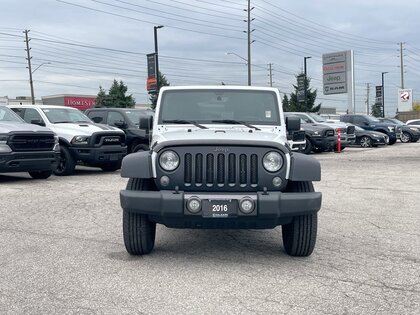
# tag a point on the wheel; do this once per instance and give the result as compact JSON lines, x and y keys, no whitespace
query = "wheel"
{"x":391,"y":142}
{"x":40,"y":174}
{"x":405,"y":137}
{"x":365,"y":142}
{"x":140,"y":147}
{"x":299,"y":236}
{"x":139,"y":232}
{"x":308,"y":147}
{"x":67,"y":163}
{"x":111,"y":167}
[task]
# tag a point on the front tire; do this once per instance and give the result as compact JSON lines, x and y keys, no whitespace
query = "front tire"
{"x":299,"y":236}
{"x":365,"y":142}
{"x":138,"y":231}
{"x":40,"y":174}
{"x":308,"y":147}
{"x":140,"y":148}
{"x":67,"y":163}
{"x":405,"y":137}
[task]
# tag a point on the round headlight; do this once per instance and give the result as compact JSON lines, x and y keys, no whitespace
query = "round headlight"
{"x":169,"y":160}
{"x":272,"y":161}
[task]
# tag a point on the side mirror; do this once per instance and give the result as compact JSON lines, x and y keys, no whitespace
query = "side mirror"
{"x":120,"y":124}
{"x":146,"y":123}
{"x":38,"y":122}
{"x":292,"y":124}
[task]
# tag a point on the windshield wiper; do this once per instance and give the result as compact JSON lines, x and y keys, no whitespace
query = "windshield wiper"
{"x":236,"y":122}
{"x":181,"y":121}
{"x":62,"y":122}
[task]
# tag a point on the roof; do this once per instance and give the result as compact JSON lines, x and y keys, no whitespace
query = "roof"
{"x":220,"y":87}
{"x":43,"y":106}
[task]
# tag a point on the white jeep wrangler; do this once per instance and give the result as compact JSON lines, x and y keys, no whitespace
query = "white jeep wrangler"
{"x":219,"y":158}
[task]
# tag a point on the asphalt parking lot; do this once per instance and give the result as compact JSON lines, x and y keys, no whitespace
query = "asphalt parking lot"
{"x":62,"y":252}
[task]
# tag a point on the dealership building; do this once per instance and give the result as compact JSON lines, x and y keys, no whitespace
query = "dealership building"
{"x":81,"y":102}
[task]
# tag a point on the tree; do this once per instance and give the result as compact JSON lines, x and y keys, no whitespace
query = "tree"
{"x":285,"y":103}
{"x":376,"y":110}
{"x":154,"y":95}
{"x":309,"y":106}
{"x":116,"y":96}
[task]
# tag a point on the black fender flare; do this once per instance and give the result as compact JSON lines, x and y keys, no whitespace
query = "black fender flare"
{"x":304,"y":168}
{"x":137,"y":165}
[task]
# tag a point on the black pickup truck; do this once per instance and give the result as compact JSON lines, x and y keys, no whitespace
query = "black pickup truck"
{"x":25,"y":147}
{"x":127,"y":119}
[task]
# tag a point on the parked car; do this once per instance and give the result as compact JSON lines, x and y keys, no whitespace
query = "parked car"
{"x":347,"y":135}
{"x":372,"y":123}
{"x":408,"y":133}
{"x":413,"y":123}
{"x":318,"y":137}
{"x":368,"y":138}
{"x":128,"y":120}
{"x":81,"y":140}
{"x":25,"y":147}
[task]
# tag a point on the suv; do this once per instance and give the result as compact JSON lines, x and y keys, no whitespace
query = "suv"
{"x":371,"y":123}
{"x":318,"y":137}
{"x":25,"y":147}
{"x":127,"y":119}
{"x":408,"y":133}
{"x":81,"y":140}
{"x":219,"y":158}
{"x":347,"y":135}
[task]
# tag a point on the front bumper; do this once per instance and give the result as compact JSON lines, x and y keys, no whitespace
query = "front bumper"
{"x":272,"y":208}
{"x":98,"y":156}
{"x":325,"y":143}
{"x":29,"y":161}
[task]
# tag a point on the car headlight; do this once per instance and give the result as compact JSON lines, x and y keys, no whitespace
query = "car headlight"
{"x":169,"y":160}
{"x":376,"y":136}
{"x":391,"y":129}
{"x":272,"y":161}
{"x":3,"y":139}
{"x":316,"y":133}
{"x":414,"y":129}
{"x":80,"y":140}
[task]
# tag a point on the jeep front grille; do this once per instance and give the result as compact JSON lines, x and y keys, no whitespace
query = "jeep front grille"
{"x":31,"y":142}
{"x":220,"y":169}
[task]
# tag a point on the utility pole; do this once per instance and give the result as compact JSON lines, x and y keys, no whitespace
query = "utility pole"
{"x":29,"y":65}
{"x":383,"y":95}
{"x":402,"y":64}
{"x":367,"y":98}
{"x":249,"y":31}
{"x":155,"y":28}
{"x":270,"y":71}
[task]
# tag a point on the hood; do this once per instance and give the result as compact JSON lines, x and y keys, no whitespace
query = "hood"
{"x":85,"y":128}
{"x":218,"y":134}
{"x":335,"y":124}
{"x":314,"y":127}
{"x":13,"y":126}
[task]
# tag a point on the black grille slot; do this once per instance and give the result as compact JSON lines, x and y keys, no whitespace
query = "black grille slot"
{"x":232,"y":169}
{"x":242,"y":169}
{"x":199,"y":168}
{"x":31,"y":142}
{"x":329,"y":133}
{"x":210,"y":169}
{"x":188,"y":168}
{"x":254,"y":169}
{"x":220,"y":169}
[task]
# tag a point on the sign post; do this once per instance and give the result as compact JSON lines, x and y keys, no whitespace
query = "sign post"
{"x":151,"y":72}
{"x":405,"y":100}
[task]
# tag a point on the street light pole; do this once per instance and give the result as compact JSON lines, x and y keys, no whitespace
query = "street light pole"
{"x":306,"y":80}
{"x":155,"y":28}
{"x":383,"y":95}
{"x":246,"y":62}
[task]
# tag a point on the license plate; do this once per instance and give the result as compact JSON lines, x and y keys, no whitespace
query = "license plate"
{"x":219,"y":208}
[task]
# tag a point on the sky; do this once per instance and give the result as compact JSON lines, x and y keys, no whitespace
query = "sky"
{"x":79,"y":45}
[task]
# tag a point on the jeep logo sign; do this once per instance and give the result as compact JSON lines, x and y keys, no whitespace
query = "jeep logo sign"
{"x":219,"y":149}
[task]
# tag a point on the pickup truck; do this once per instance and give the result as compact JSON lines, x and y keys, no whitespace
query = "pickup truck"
{"x":81,"y":140}
{"x":219,"y":158}
{"x":25,"y":147}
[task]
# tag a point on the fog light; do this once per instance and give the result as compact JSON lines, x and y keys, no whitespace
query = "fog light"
{"x":277,"y":181}
{"x":164,"y":180}
{"x":246,"y":205}
{"x":194,"y":204}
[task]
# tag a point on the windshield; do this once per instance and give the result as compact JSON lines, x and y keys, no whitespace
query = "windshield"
{"x":358,"y":128}
{"x":134,"y":115}
{"x":65,"y":115}
{"x":7,"y":114}
{"x":317,"y":118}
{"x":213,"y":106}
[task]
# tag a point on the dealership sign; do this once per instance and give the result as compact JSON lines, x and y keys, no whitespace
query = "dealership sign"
{"x":81,"y":103}
{"x":335,"y":68}
{"x":405,"y":100}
